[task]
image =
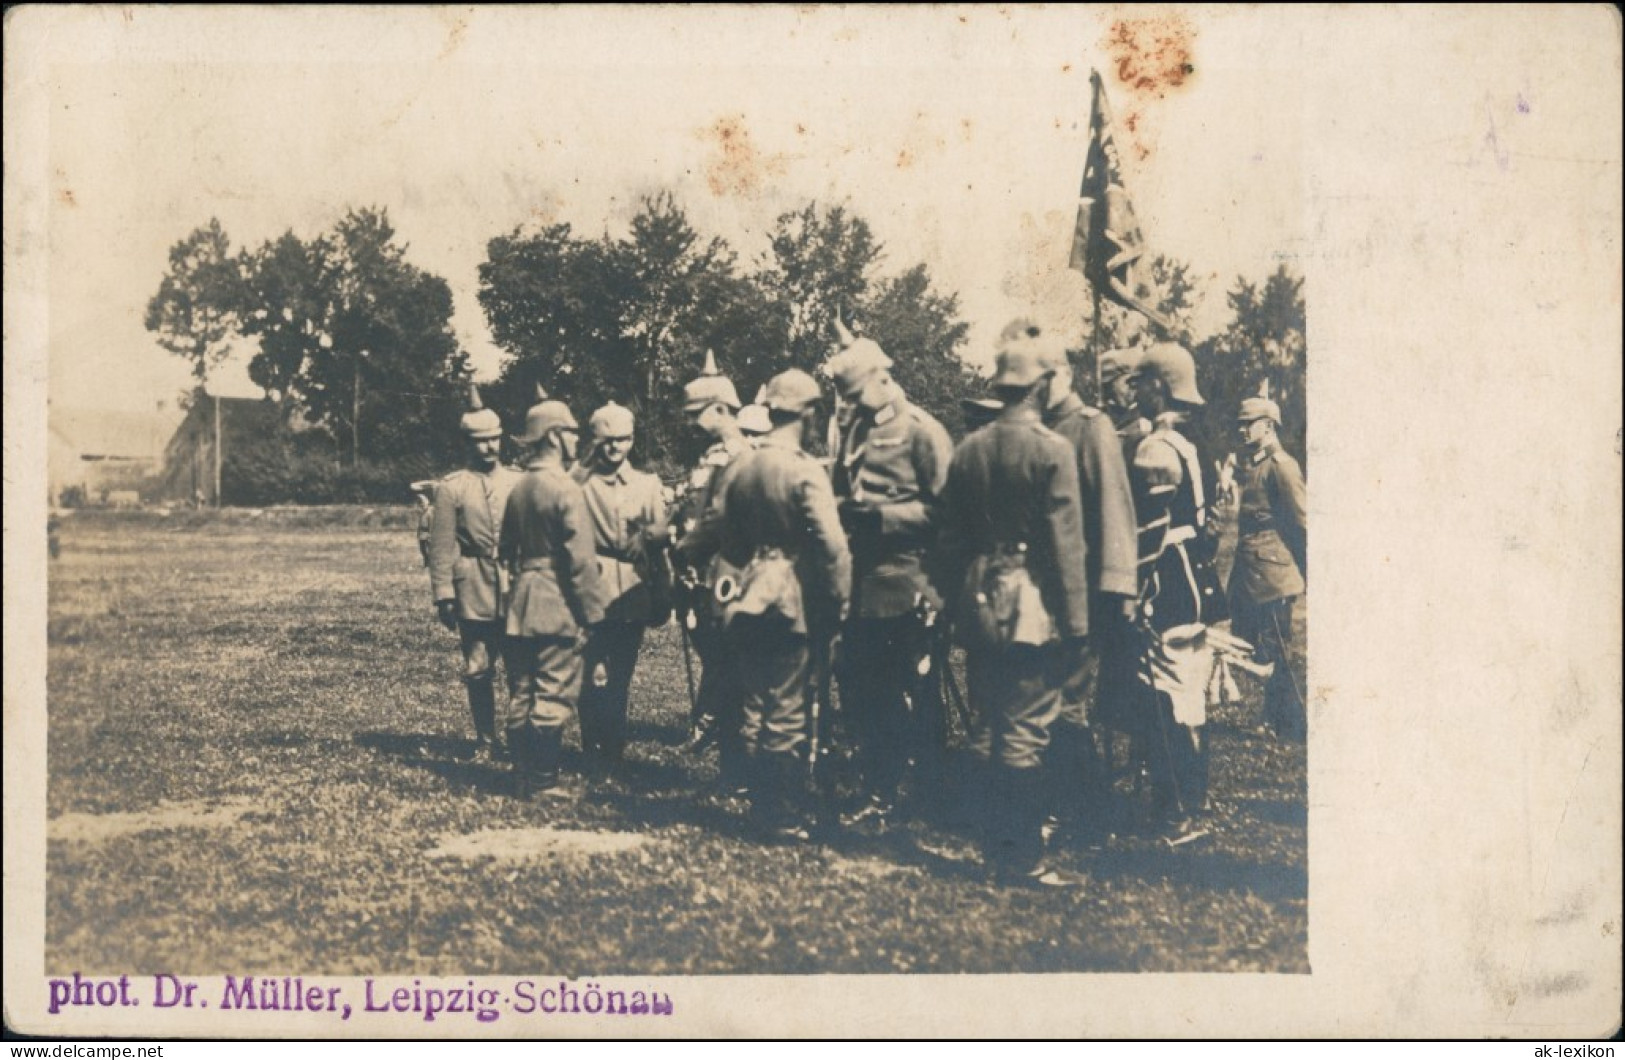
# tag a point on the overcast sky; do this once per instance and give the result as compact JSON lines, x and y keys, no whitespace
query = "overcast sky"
{"x":958,"y":133}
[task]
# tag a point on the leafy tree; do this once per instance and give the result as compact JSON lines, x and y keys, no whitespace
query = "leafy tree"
{"x":194,"y":314}
{"x":820,"y":264}
{"x":1264,"y":343}
{"x":921,"y":331}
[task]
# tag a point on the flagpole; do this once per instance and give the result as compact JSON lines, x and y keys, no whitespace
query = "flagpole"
{"x":1100,"y":382}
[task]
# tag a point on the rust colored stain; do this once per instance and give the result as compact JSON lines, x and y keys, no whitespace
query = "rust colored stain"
{"x":65,"y":196}
{"x":1152,"y":55}
{"x":905,"y":158}
{"x":737,"y":167}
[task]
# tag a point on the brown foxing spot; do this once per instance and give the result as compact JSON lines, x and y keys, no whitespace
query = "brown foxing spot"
{"x":737,"y":167}
{"x":1152,"y":55}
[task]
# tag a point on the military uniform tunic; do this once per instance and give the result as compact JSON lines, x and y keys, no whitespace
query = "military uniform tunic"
{"x":778,"y":502}
{"x":1013,"y":488}
{"x":627,"y":510}
{"x":894,"y":462}
{"x":1267,"y":577}
{"x":698,"y":518}
{"x":547,"y":541}
{"x":464,"y":524}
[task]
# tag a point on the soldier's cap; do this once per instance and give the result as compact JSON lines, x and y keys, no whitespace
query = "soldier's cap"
{"x":853,"y":366}
{"x":1259,"y":408}
{"x":1114,"y":364}
{"x":611,"y":421}
{"x":545,"y":416}
{"x":753,"y":419}
{"x":1025,"y":334}
{"x":791,"y":391}
{"x":1175,"y":366}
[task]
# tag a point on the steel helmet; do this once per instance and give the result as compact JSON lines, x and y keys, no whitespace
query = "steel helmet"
{"x":1175,"y":366}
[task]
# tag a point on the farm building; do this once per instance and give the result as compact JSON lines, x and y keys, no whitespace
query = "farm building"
{"x":188,"y":467}
{"x":95,"y":454}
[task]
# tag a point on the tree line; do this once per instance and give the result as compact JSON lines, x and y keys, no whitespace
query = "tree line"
{"x":354,"y":344}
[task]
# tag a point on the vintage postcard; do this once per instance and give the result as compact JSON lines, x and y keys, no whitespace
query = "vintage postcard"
{"x":716,"y":521}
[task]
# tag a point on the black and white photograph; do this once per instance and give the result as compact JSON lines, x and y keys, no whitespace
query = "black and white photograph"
{"x":534,"y":515}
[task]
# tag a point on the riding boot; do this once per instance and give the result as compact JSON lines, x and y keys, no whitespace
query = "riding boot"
{"x":482,"y":703}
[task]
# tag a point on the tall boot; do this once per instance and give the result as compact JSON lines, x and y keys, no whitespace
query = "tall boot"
{"x":549,"y":744}
{"x":482,"y":703}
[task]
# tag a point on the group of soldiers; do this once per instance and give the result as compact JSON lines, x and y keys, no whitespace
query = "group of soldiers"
{"x":1066,"y":549}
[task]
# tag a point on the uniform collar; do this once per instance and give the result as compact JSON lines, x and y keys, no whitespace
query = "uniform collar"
{"x":618,"y":477}
{"x":886,"y":413}
{"x":1261,"y":454}
{"x":1070,"y":405}
{"x":1018,"y":414}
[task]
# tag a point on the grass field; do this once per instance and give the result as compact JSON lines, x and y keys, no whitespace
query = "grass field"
{"x":254,"y":726}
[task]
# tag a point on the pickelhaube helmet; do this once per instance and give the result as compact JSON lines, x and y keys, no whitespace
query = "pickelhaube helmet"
{"x":709,"y":388}
{"x":544,"y":416}
{"x":791,"y":391}
{"x":1173,"y":364}
{"x":753,"y":419}
{"x":479,"y":422}
{"x":855,"y":362}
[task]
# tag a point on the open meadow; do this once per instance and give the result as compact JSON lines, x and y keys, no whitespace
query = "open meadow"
{"x":255,"y":733}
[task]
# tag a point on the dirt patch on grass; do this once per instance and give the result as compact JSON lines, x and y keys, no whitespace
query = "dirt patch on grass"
{"x":99,"y":827}
{"x":530,"y":844}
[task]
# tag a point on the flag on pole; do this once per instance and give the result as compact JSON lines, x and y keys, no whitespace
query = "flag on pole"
{"x":1107,"y":245}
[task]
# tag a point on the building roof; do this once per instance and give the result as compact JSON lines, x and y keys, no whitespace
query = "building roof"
{"x":114,"y":432}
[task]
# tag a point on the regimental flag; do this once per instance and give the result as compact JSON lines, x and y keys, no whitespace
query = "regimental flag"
{"x":1106,"y":244}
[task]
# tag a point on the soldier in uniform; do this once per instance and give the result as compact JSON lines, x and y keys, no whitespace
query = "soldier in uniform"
{"x":1080,"y":779}
{"x":547,"y":543}
{"x":782,"y":532}
{"x":629,"y":531}
{"x":1177,"y":602}
{"x":1012,"y":554}
{"x":1267,"y":577}
{"x":465,"y":576}
{"x":888,"y":474}
{"x":710,"y":405}
{"x":423,"y":493}
{"x":1117,"y":371}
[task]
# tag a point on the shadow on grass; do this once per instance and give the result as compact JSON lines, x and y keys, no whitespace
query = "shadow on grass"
{"x":439,"y":754}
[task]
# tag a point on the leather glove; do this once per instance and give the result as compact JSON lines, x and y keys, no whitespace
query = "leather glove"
{"x":446,"y":611}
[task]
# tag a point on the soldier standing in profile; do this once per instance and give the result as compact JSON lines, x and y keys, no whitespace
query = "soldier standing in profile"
{"x":781,"y":530}
{"x":465,"y":576}
{"x":889,"y":470}
{"x":547,"y":543}
{"x":1271,"y":548}
{"x":1081,"y":784}
{"x":629,"y":533}
{"x":1013,"y":556}
{"x":1117,"y":370}
{"x":710,"y":405}
{"x":1177,"y":600}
